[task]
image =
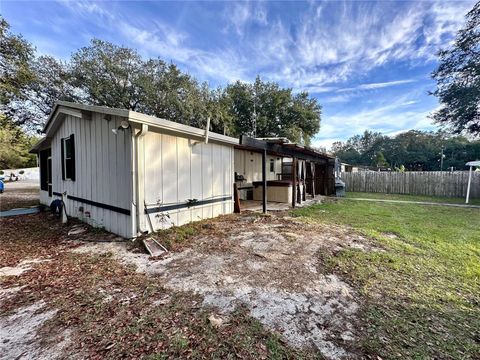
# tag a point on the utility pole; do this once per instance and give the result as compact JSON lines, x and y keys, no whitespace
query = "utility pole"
{"x":441,"y":159}
{"x":255,"y":111}
{"x":254,"y":119}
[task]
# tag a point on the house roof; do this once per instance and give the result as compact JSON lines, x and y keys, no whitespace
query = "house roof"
{"x":41,"y":144}
{"x":283,"y":147}
{"x":62,"y":108}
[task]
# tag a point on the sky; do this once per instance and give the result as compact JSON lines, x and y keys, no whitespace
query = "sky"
{"x":367,"y":62}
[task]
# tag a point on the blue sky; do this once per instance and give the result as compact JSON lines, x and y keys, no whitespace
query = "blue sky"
{"x":368,"y":63}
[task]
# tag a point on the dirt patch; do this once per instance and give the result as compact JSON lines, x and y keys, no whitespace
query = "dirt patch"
{"x":95,"y":307}
{"x":19,"y":334}
{"x":271,"y":265}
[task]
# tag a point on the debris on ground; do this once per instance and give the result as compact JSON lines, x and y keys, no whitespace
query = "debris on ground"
{"x":272,"y":267}
{"x":216,"y":321}
{"x":154,"y":247}
{"x":19,"y":194}
{"x":76,"y":230}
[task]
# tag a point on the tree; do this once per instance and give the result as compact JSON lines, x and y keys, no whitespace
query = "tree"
{"x":264,"y":109}
{"x":109,"y":75}
{"x":380,"y":160}
{"x":52,"y":82}
{"x":360,"y":149}
{"x":16,"y":75}
{"x":412,"y":150}
{"x":114,"y":76}
{"x":458,"y":79}
{"x":105,"y":74}
{"x":14,"y":146}
{"x":30,"y":86}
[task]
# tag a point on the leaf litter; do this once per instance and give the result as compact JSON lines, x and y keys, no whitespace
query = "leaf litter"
{"x":271,"y":266}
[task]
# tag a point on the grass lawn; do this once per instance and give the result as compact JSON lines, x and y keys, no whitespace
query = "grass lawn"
{"x":421,"y":290}
{"x":411,"y":198}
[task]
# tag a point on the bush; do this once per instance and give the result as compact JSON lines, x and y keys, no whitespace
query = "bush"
{"x":2,"y":172}
{"x":21,"y":172}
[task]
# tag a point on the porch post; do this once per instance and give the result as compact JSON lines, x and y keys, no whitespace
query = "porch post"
{"x":294,"y":182}
{"x":264,"y":181}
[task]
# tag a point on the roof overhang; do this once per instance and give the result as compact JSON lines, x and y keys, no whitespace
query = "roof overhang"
{"x":280,"y":148}
{"x":63,"y":108}
{"x":177,"y":128}
{"x":42,"y":144}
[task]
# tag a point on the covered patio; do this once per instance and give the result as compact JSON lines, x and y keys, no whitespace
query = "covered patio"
{"x":297,"y":175}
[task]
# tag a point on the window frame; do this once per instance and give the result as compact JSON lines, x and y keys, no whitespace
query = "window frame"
{"x":49,"y":175}
{"x":68,"y":158}
{"x":272,"y":165}
{"x":68,"y":170}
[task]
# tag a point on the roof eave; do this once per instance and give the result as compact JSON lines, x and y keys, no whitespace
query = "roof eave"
{"x":175,"y":127}
{"x":40,"y":145}
{"x":63,"y":107}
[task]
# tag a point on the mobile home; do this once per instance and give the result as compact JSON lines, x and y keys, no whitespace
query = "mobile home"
{"x":131,"y":173}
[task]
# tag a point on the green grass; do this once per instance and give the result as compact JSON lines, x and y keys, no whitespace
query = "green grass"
{"x":424,"y":198}
{"x":421,"y":292}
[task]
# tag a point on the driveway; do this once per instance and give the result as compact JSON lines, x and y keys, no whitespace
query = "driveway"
{"x":19,"y":194}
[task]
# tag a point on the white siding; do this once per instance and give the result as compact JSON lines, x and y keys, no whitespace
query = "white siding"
{"x":44,"y":198}
{"x":178,"y":169}
{"x":249,"y":164}
{"x":103,"y":171}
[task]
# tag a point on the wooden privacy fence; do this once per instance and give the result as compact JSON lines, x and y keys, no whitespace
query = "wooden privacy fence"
{"x":433,"y":183}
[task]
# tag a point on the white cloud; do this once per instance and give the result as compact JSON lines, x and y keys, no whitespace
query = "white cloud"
{"x":373,"y":86}
{"x":158,"y":40}
{"x":388,"y":118}
{"x":241,"y":14}
{"x":324,"y":46}
{"x":335,"y":42}
{"x":155,"y":38}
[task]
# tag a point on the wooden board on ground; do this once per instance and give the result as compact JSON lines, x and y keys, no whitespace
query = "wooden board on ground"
{"x":154,"y":247}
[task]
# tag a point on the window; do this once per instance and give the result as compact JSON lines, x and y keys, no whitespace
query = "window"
{"x":68,"y":158}
{"x":272,"y":165}
{"x":45,"y":169}
{"x":49,"y":173}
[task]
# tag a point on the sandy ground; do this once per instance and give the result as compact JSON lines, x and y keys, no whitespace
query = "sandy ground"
{"x":19,"y":331}
{"x":272,"y":266}
{"x":19,"y":334}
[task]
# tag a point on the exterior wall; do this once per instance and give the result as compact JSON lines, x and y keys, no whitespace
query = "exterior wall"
{"x":103,"y":171}
{"x":281,"y":194}
{"x":44,"y":198}
{"x":178,"y":169}
{"x":249,"y":164}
